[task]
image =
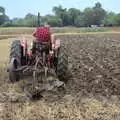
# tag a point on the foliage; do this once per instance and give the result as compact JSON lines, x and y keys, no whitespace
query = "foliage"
{"x":79,"y":21}
{"x":65,"y":17}
{"x":73,"y":14}
{"x":3,"y":16}
{"x":54,"y":21}
{"x":109,"y":19}
{"x":117,"y":19}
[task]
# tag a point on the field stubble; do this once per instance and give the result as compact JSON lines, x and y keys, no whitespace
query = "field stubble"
{"x":92,"y":91}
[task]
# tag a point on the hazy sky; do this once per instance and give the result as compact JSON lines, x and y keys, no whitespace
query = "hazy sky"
{"x":19,"y":8}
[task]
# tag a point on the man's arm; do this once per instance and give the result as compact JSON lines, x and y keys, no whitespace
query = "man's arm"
{"x":34,"y":33}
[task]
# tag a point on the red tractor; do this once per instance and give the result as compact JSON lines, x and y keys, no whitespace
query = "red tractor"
{"x":45,"y":56}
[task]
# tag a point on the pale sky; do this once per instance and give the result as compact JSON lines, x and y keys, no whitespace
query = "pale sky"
{"x":19,"y":8}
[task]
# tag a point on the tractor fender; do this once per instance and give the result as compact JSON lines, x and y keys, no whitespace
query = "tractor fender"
{"x":56,"y":44}
{"x":25,"y":46}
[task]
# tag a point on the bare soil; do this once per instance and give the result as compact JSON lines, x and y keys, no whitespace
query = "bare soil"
{"x":91,"y":93}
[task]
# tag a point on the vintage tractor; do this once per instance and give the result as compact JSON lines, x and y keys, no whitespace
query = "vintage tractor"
{"x":46,"y":56}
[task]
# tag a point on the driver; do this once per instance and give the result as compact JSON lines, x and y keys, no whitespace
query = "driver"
{"x":42,"y":35}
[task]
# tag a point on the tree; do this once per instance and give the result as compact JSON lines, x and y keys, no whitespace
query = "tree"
{"x":79,"y":21}
{"x":2,"y":10}
{"x":29,"y":15}
{"x":3,"y":16}
{"x":95,"y":15}
{"x":52,"y":20}
{"x":61,"y":13}
{"x":73,"y":13}
{"x":17,"y":22}
{"x":117,"y":19}
{"x":99,"y":15}
{"x":88,"y":16}
{"x":55,"y":21}
{"x":109,"y":19}
{"x":30,"y":20}
{"x":98,"y":5}
{"x":65,"y":17}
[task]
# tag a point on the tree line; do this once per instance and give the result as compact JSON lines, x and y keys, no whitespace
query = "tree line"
{"x":95,"y":15}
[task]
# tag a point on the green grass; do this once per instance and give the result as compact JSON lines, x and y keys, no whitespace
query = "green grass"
{"x":78,"y":30}
{"x":15,"y":30}
{"x":26,"y":30}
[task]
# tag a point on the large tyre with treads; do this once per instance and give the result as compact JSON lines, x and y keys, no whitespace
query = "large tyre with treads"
{"x":62,"y":64}
{"x":15,"y":60}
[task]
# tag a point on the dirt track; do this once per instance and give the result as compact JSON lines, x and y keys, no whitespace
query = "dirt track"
{"x":93,"y":88}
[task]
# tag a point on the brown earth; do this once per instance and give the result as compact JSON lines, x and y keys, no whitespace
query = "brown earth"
{"x":95,"y":62}
{"x":92,"y":91}
{"x":115,"y":29}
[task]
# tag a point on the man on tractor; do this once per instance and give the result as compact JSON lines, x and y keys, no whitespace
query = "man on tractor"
{"x":43,"y":36}
{"x":43,"y":40}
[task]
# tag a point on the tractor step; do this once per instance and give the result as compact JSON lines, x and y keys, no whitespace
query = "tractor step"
{"x":18,"y":69}
{"x":22,"y":69}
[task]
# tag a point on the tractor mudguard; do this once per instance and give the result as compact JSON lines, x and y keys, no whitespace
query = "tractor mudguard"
{"x":25,"y":46}
{"x":56,"y":45}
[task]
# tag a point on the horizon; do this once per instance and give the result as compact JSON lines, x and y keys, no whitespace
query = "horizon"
{"x":20,"y":8}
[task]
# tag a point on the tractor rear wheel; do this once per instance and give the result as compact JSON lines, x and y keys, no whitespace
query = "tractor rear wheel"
{"x":62,"y":64}
{"x":15,"y":60}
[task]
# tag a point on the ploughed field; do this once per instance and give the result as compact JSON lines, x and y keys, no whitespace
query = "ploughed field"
{"x":91,"y":93}
{"x":94,"y":62}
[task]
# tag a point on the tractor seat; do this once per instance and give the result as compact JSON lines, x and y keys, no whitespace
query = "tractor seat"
{"x":41,"y":46}
{"x":42,"y":43}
